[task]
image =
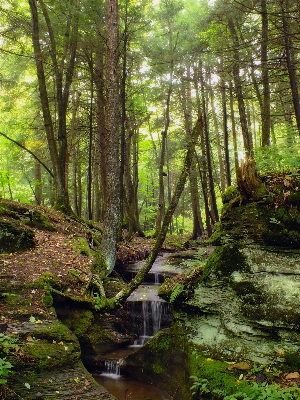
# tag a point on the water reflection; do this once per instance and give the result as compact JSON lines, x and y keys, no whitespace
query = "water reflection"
{"x":125,"y":388}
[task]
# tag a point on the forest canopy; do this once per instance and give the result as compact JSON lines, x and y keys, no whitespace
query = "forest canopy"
{"x":99,"y":99}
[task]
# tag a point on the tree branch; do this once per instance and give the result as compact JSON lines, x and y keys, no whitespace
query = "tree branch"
{"x":28,"y":151}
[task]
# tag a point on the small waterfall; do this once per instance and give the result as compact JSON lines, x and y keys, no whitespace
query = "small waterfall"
{"x":112,"y":368}
{"x":156,"y":308}
{"x":152,"y":312}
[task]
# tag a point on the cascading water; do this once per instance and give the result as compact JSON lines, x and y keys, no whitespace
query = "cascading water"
{"x":149,"y":314}
{"x":112,"y":368}
{"x":152,"y":314}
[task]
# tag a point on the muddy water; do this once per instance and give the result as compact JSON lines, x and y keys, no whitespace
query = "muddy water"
{"x":125,"y":388}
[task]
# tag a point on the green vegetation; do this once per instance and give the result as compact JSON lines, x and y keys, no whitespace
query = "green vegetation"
{"x":7,"y":344}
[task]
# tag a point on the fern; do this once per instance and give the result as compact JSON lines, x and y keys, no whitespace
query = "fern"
{"x":177,"y":290}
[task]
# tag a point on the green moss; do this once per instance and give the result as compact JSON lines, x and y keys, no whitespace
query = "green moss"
{"x":82,"y":324}
{"x":48,"y":279}
{"x":292,"y":361}
{"x":82,"y":246}
{"x":48,"y":300}
{"x":224,"y":260}
{"x":230,"y":193}
{"x":15,"y":238}
{"x":162,"y":342}
{"x":49,"y":345}
{"x":45,"y":355}
{"x":158,"y":369}
{"x":218,"y":234}
{"x":294,"y":198}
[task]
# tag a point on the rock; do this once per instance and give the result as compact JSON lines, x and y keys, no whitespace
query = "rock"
{"x":3,"y":327}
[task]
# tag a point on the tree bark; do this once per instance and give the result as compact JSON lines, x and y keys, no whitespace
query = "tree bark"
{"x":265,"y":109}
{"x":248,"y":146}
{"x":291,"y":67}
{"x":111,"y":223}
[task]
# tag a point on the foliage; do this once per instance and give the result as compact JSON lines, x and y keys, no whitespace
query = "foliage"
{"x":260,"y":391}
{"x":255,"y":391}
{"x":7,"y":344}
{"x":177,"y":290}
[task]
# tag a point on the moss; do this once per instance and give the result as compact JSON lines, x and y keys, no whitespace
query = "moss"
{"x":45,"y":355}
{"x":162,"y":342}
{"x":82,"y":324}
{"x":82,"y":246}
{"x":48,"y":279}
{"x":294,"y":198}
{"x":38,"y":220}
{"x":48,"y":345}
{"x":112,"y":286}
{"x":230,"y":193}
{"x":48,"y":300}
{"x":292,"y":361}
{"x":216,"y":237}
{"x":225,"y":260}
{"x":158,"y":369}
{"x":15,"y":238}
{"x":217,"y":375}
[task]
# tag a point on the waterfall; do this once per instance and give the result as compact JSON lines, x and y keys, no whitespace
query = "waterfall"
{"x":152,"y":317}
{"x":112,"y":368}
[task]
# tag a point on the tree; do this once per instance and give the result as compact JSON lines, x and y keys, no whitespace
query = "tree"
{"x":63,"y":73}
{"x":112,"y":220}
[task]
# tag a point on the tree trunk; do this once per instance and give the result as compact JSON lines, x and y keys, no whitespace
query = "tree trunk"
{"x":206,"y":143}
{"x":233,"y":128}
{"x":225,"y":133}
{"x":265,"y":110}
{"x":38,"y":189}
{"x":111,"y":223}
{"x":63,"y":75}
{"x":291,"y":66}
{"x":248,"y":146}
{"x":195,"y":201}
{"x":125,"y":293}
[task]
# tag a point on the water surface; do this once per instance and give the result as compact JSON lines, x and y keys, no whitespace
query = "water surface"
{"x":125,"y":388}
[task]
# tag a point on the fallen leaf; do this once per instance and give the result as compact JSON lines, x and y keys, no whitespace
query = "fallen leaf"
{"x":241,"y":365}
{"x":292,"y":375}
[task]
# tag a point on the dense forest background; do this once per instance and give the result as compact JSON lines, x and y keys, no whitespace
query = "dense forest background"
{"x":98,"y":101}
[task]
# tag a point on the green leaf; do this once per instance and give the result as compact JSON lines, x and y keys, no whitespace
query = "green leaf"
{"x":27,"y":385}
{"x":32,"y":319}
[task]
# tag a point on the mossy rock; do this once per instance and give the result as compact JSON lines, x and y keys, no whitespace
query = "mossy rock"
{"x":230,"y":194}
{"x":45,"y":346}
{"x":27,"y":215}
{"x":15,"y":237}
{"x":224,"y":261}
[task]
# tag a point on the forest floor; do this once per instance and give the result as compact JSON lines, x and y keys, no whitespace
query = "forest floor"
{"x":62,"y":251}
{"x":65,"y":246}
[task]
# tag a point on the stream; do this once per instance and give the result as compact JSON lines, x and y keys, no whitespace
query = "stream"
{"x":149,"y":314}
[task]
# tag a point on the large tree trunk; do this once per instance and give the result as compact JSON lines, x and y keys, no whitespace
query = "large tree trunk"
{"x":111,"y":223}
